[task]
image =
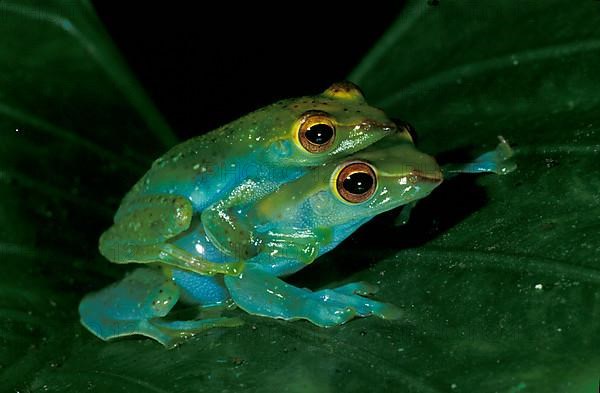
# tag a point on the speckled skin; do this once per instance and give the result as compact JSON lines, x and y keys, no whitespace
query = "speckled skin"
{"x":259,"y":151}
{"x":270,"y":233}
{"x":283,"y":232}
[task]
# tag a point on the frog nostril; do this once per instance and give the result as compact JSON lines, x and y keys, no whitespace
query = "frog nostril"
{"x":388,"y":127}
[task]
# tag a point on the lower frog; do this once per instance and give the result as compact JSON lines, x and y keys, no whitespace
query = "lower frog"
{"x":276,"y":236}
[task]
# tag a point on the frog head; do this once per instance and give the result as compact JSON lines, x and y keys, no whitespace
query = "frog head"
{"x":388,"y":174}
{"x":309,"y":131}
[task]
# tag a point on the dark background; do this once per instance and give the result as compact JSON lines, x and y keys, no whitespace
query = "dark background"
{"x":206,"y":66}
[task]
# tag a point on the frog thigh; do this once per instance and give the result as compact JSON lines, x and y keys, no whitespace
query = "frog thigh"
{"x":145,"y":221}
{"x":260,"y":293}
{"x":142,"y":228}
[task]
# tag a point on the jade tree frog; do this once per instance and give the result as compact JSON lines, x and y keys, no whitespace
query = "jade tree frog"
{"x":276,"y":235}
{"x":266,"y":148}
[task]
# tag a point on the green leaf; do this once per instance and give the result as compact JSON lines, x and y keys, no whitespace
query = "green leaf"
{"x":499,"y":276}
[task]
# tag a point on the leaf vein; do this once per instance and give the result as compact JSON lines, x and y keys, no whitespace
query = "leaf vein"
{"x":510,"y":262}
{"x":70,"y":136}
{"x":111,"y":64}
{"x":472,"y":69}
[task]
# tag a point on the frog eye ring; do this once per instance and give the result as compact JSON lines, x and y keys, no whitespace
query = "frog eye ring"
{"x":356,"y":182}
{"x":317,"y":131}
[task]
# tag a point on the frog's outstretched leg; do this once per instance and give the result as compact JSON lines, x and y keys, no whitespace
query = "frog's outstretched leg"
{"x":497,"y":161}
{"x":260,"y":293}
{"x":136,"y":305}
{"x":356,"y":288}
{"x":142,"y":229}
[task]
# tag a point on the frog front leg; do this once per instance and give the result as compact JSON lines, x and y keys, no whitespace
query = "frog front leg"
{"x":260,"y":293}
{"x":231,"y":233}
{"x":137,"y":305}
{"x":226,"y":223}
{"x":142,"y":230}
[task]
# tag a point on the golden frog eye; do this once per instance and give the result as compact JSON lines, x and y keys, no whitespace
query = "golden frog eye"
{"x":317,"y":131}
{"x":356,"y":182}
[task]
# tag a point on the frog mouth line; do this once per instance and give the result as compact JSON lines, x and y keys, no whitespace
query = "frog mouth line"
{"x":435,"y":177}
{"x":389,"y":127}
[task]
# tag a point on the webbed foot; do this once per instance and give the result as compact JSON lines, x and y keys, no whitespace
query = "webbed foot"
{"x":260,"y":293}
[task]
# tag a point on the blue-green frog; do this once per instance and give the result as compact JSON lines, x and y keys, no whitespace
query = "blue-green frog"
{"x":266,"y":148}
{"x":276,"y":235}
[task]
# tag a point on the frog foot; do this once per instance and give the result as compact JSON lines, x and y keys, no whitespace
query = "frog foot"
{"x":331,"y":307}
{"x":137,"y":305}
{"x":259,"y":293}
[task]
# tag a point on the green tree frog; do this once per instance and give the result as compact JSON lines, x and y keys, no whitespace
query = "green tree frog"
{"x":276,"y":235}
{"x":262,"y":150}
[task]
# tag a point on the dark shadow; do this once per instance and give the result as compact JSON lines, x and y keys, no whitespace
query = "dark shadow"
{"x":452,"y":202}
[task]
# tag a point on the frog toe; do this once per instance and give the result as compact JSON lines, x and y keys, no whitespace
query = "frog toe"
{"x":359,"y":288}
{"x":362,"y":306}
{"x":172,"y":333}
{"x":328,"y":315}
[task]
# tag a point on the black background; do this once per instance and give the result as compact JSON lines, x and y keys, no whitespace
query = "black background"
{"x":204,"y":66}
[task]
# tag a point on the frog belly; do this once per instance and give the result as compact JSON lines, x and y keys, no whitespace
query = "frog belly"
{"x":200,"y":290}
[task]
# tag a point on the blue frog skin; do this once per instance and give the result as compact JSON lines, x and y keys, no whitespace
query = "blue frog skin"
{"x":275,"y":235}
{"x":266,"y":148}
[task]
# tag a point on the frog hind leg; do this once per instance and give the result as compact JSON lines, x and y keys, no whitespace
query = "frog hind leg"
{"x":142,"y":228}
{"x":137,"y":305}
{"x":260,"y":293}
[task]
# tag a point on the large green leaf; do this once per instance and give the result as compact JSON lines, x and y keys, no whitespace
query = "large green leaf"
{"x":499,"y":276}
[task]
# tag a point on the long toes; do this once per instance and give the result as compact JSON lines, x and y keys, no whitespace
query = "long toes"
{"x":362,"y":306}
{"x":386,"y":310}
{"x":359,"y":288}
{"x":330,"y":315}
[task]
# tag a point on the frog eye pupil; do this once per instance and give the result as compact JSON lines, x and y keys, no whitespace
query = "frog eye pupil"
{"x":358,"y":183}
{"x":319,"y":134}
{"x":316,"y":133}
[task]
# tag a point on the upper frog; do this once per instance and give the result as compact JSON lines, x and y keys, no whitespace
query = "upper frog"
{"x":276,"y":142}
{"x":262,"y":150}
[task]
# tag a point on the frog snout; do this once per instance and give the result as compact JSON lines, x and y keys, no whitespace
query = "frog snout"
{"x":429,"y":176}
{"x":385,"y":126}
